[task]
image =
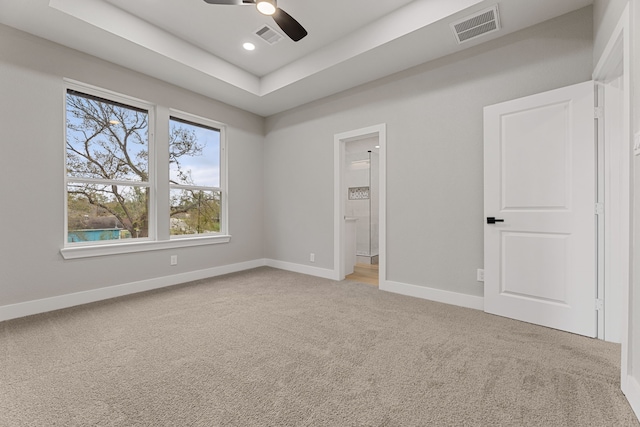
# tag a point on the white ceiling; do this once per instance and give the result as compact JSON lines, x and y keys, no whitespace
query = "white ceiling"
{"x":198,"y":46}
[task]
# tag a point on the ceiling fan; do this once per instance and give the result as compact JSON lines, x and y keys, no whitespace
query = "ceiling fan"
{"x":290,"y":26}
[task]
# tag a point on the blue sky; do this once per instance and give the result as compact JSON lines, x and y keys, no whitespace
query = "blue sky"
{"x":205,"y":168}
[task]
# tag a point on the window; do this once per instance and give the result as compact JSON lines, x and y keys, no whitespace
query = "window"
{"x":194,"y":174}
{"x":134,"y":186}
{"x":107,"y":169}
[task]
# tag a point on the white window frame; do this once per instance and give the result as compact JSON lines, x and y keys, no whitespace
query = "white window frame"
{"x":220,"y":127}
{"x":158,"y":134}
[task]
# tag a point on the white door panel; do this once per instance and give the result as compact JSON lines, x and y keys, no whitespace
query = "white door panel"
{"x":536,"y":137}
{"x":540,"y":179}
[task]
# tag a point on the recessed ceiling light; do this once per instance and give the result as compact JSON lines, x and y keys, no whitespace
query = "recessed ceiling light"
{"x":249,"y":46}
{"x":377,"y":146}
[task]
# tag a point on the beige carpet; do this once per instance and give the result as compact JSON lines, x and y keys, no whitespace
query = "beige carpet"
{"x":273,"y":348}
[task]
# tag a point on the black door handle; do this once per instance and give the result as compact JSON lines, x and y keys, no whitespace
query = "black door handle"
{"x":493,"y":220}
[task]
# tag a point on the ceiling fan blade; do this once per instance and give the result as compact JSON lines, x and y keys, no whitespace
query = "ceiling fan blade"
{"x":231,"y":2}
{"x":290,"y":26}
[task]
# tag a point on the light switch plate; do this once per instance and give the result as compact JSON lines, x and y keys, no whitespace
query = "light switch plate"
{"x":636,"y":144}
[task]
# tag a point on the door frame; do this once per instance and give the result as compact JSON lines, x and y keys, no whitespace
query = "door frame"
{"x":618,"y":50}
{"x":615,"y":183}
{"x":340,"y":197}
{"x":613,"y":195}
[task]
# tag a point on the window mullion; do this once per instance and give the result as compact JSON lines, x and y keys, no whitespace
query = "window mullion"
{"x":161,"y":162}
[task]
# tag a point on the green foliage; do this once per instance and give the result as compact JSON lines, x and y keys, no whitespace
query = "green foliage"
{"x":195,"y":212}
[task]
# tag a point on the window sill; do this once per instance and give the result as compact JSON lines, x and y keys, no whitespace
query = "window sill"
{"x":88,"y":251}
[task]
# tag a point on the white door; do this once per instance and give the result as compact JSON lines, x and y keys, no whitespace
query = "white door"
{"x":540,"y":184}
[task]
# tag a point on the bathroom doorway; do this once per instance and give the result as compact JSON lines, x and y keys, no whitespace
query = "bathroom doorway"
{"x":361,"y":178}
{"x":360,"y":201}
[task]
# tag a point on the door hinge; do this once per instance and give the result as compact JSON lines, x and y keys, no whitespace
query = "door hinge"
{"x":599,"y":305}
{"x":598,"y":112}
{"x":599,"y":208}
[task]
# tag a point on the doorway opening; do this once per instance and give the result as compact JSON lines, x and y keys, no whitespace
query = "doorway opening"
{"x":360,"y":205}
{"x":361,"y":177}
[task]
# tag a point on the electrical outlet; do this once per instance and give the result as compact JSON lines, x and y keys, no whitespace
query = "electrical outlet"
{"x":174,"y":259}
{"x":312,"y":257}
{"x":480,"y":275}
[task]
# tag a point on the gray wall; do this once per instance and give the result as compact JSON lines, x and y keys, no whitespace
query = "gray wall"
{"x":434,"y":164}
{"x":606,"y":14}
{"x":32,"y":174}
{"x":434,"y":152}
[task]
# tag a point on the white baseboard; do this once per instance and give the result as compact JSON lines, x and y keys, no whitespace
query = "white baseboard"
{"x":300,"y":268}
{"x":631,"y":390}
{"x":28,"y":308}
{"x":432,"y":294}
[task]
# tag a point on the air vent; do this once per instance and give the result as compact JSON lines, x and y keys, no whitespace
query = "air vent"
{"x":484,"y":22}
{"x":268,"y":34}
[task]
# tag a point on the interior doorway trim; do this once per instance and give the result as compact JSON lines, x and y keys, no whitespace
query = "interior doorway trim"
{"x":616,"y":52}
{"x":340,"y":197}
